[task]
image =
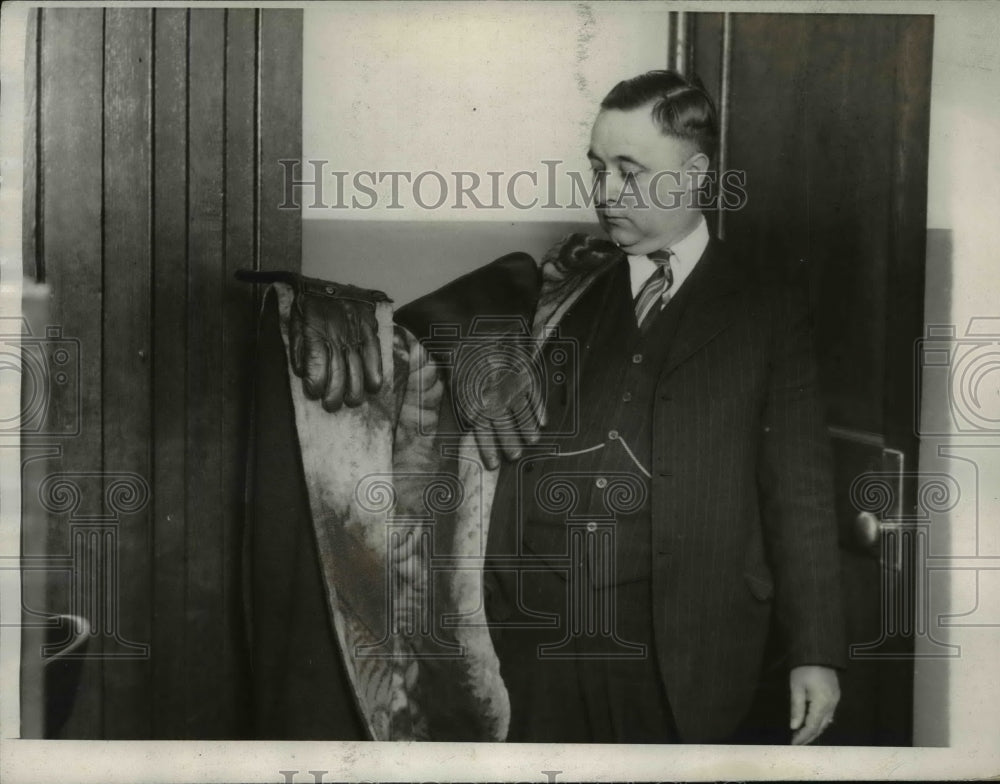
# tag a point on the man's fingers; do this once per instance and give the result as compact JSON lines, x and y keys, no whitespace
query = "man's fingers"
{"x":814,"y":722}
{"x":334,"y":393}
{"x":817,"y":720}
{"x":487,"y":447}
{"x":818,"y":717}
{"x":811,"y":727}
{"x":354,"y":387}
{"x":798,"y":712}
{"x":804,"y":736}
{"x":815,"y":693}
{"x":371,"y":356}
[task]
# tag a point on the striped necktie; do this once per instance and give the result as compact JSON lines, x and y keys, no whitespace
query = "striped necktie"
{"x":655,"y":291}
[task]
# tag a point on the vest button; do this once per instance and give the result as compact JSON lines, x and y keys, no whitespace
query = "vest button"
{"x":626,"y":397}
{"x":636,"y":359}
{"x":613,"y":435}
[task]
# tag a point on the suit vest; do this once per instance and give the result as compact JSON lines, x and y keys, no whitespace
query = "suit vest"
{"x":581,"y":499}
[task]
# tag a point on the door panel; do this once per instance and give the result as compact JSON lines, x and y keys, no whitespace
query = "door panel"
{"x":154,"y":144}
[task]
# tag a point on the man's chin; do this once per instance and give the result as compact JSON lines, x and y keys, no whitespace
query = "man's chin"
{"x":620,"y":234}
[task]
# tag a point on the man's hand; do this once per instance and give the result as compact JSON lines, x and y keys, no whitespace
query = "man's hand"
{"x":815,"y":694}
{"x":333,"y":336}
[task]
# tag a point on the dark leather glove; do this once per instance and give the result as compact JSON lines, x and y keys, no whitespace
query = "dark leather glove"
{"x":497,"y":389}
{"x":333,"y":337}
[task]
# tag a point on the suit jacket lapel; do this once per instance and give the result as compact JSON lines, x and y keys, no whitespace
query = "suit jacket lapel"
{"x":708,"y":309}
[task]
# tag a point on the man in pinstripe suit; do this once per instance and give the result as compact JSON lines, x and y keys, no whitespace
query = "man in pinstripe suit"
{"x":698,"y":454}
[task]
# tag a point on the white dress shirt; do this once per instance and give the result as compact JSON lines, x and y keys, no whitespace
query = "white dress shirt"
{"x":686,"y":255}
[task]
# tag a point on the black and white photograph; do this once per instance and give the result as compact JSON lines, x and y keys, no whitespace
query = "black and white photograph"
{"x":442,"y":391}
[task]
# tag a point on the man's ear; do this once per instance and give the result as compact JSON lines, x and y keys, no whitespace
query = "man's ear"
{"x":695,"y":169}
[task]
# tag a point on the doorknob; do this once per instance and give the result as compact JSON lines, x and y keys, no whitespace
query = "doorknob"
{"x":875,"y":523}
{"x":867,"y":528}
{"x":870,"y":532}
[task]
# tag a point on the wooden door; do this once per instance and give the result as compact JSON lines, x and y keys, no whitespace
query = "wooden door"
{"x":828,"y":117}
{"x":152,"y":149}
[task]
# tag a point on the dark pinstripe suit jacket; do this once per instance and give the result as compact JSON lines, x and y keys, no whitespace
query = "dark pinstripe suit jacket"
{"x":742,"y":508}
{"x":742,"y":503}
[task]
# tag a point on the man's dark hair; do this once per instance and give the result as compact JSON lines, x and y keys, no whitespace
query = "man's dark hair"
{"x":681,"y":107}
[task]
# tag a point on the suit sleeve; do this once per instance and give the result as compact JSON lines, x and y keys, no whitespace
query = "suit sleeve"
{"x":795,"y":480}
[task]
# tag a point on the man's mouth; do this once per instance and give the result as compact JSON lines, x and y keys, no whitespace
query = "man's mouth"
{"x":613,"y":217}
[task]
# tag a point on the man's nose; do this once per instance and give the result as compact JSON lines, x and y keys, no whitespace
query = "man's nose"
{"x":610,"y":188}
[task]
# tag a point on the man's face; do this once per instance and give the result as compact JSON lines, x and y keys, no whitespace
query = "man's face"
{"x":643,"y":205}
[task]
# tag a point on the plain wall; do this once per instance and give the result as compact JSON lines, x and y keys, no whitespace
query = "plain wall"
{"x":475,"y":87}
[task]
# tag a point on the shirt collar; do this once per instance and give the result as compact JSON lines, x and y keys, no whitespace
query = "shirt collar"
{"x":686,"y":254}
{"x":689,"y":249}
